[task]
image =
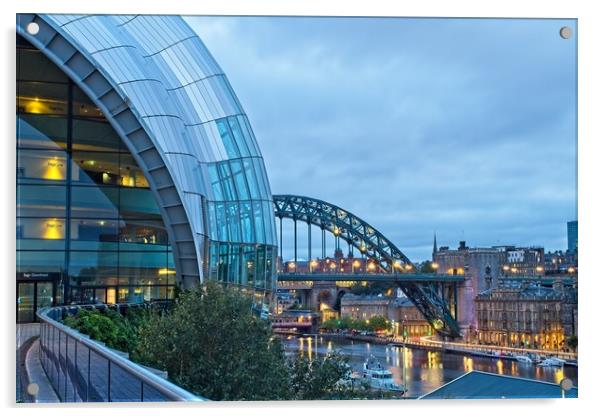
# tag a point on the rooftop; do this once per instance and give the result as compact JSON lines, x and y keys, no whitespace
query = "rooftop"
{"x":482,"y":385}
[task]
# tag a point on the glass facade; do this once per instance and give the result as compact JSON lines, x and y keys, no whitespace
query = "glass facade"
{"x":90,"y":220}
{"x":87,"y":221}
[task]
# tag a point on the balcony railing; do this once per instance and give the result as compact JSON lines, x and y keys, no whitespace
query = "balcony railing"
{"x":83,"y":370}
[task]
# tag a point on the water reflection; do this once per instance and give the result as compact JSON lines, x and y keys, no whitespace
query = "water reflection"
{"x":424,"y":370}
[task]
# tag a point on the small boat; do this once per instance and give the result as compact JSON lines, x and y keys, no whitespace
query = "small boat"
{"x":552,"y":362}
{"x":379,"y":377}
{"x":523,"y":359}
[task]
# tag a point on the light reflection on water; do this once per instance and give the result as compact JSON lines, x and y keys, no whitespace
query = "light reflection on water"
{"x":424,"y":370}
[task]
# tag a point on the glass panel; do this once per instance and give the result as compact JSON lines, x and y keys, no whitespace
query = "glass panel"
{"x":41,"y":164}
{"x":40,"y":233}
{"x":138,"y":268}
{"x":136,"y":202}
{"x":40,"y":261}
{"x":94,"y":234}
{"x":25,"y":312}
{"x":239,"y":180}
{"x":32,"y":65}
{"x":259,"y":226}
{"x":241,"y":140}
{"x":93,"y":202}
{"x":41,"y":201}
{"x":246,"y":214}
{"x":254,"y":191}
{"x":129,"y":172}
{"x":234,"y":270}
{"x":216,"y":184}
{"x":227,"y":138}
{"x":41,"y":98}
{"x":96,"y":168}
{"x":222,"y":226}
{"x":222,"y":266}
{"x":44,"y":294}
{"x":214,"y":255}
{"x":260,"y":269}
{"x":100,"y":296}
{"x":139,"y":234}
{"x":84,"y":107}
{"x":233,"y":221}
{"x":41,"y":131}
{"x":248,"y":276}
{"x":89,"y":268}
{"x":268,"y":219}
{"x":227,"y":182}
{"x":94,"y":135}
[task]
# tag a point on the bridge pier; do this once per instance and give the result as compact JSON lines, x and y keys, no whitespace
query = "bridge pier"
{"x":425,"y":291}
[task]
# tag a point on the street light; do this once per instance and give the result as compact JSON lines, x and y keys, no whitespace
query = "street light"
{"x":403,"y":352}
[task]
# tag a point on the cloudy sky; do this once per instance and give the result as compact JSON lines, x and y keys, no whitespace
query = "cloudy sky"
{"x":465,"y":127}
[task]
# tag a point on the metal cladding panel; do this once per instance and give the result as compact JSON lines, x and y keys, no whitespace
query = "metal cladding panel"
{"x":174,"y":89}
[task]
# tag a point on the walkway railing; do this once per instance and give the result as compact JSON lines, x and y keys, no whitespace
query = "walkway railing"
{"x":465,"y":347}
{"x":83,"y":370}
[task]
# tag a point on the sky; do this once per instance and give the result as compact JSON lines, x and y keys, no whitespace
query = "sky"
{"x":463,"y":127}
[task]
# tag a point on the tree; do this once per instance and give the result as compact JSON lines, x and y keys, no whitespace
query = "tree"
{"x":427,"y":267}
{"x":108,"y":326}
{"x":320,"y":378}
{"x":373,"y":288}
{"x":378,"y":323}
{"x":211,"y":343}
{"x":572,"y":342}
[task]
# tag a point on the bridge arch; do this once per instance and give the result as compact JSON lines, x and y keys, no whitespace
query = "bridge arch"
{"x":428,"y":296}
{"x":345,"y":225}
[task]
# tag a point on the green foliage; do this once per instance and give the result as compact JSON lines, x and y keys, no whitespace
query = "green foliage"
{"x":376,"y":323}
{"x":109,"y":326}
{"x":326,"y":377}
{"x":572,"y":342}
{"x":427,"y":267}
{"x":372,"y":288}
{"x":213,"y":345}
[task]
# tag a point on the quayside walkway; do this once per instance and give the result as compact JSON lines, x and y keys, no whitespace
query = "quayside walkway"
{"x":83,"y":370}
{"x":32,"y":384}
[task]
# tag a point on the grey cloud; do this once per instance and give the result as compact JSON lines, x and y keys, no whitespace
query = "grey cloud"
{"x":466,"y":127}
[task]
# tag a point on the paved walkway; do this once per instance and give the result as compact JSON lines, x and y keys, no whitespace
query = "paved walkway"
{"x":29,"y":368}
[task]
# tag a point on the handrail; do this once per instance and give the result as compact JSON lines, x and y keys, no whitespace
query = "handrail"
{"x":167,"y":389}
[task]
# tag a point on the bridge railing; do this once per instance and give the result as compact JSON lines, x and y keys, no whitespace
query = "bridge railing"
{"x":84,"y":370}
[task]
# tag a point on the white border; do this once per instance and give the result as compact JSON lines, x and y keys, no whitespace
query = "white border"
{"x":590,"y":210}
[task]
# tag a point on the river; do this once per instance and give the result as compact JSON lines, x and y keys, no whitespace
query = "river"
{"x":424,"y":370}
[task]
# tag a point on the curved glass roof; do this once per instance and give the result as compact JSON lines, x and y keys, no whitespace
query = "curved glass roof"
{"x":185,"y":103}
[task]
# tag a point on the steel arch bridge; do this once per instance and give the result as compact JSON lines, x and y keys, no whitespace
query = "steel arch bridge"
{"x":434,"y":298}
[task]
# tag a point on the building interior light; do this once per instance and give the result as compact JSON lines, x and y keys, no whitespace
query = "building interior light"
{"x":165,"y":271}
{"x":54,"y":229}
{"x":55,"y":169}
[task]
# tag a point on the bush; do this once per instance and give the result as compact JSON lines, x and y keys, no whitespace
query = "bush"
{"x":110,"y":327}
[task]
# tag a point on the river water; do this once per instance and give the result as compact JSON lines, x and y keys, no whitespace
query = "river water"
{"x":424,"y":370}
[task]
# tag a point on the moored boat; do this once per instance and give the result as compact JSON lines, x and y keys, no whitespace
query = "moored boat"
{"x":523,"y":359}
{"x":379,"y":377}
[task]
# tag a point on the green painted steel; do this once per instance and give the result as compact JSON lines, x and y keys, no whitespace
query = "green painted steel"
{"x":359,"y":277}
{"x":434,"y":298}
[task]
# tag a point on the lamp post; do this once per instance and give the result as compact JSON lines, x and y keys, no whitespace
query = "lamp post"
{"x":403,"y":352}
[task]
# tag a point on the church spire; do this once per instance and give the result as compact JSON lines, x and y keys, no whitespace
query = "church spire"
{"x":434,"y":244}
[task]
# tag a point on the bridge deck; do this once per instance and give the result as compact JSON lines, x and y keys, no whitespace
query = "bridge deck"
{"x":370,"y":277}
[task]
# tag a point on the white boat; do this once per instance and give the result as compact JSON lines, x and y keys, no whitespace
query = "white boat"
{"x":379,"y":377}
{"x":552,"y":362}
{"x":523,"y":359}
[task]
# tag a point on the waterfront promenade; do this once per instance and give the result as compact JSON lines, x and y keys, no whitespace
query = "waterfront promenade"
{"x":460,"y":347}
